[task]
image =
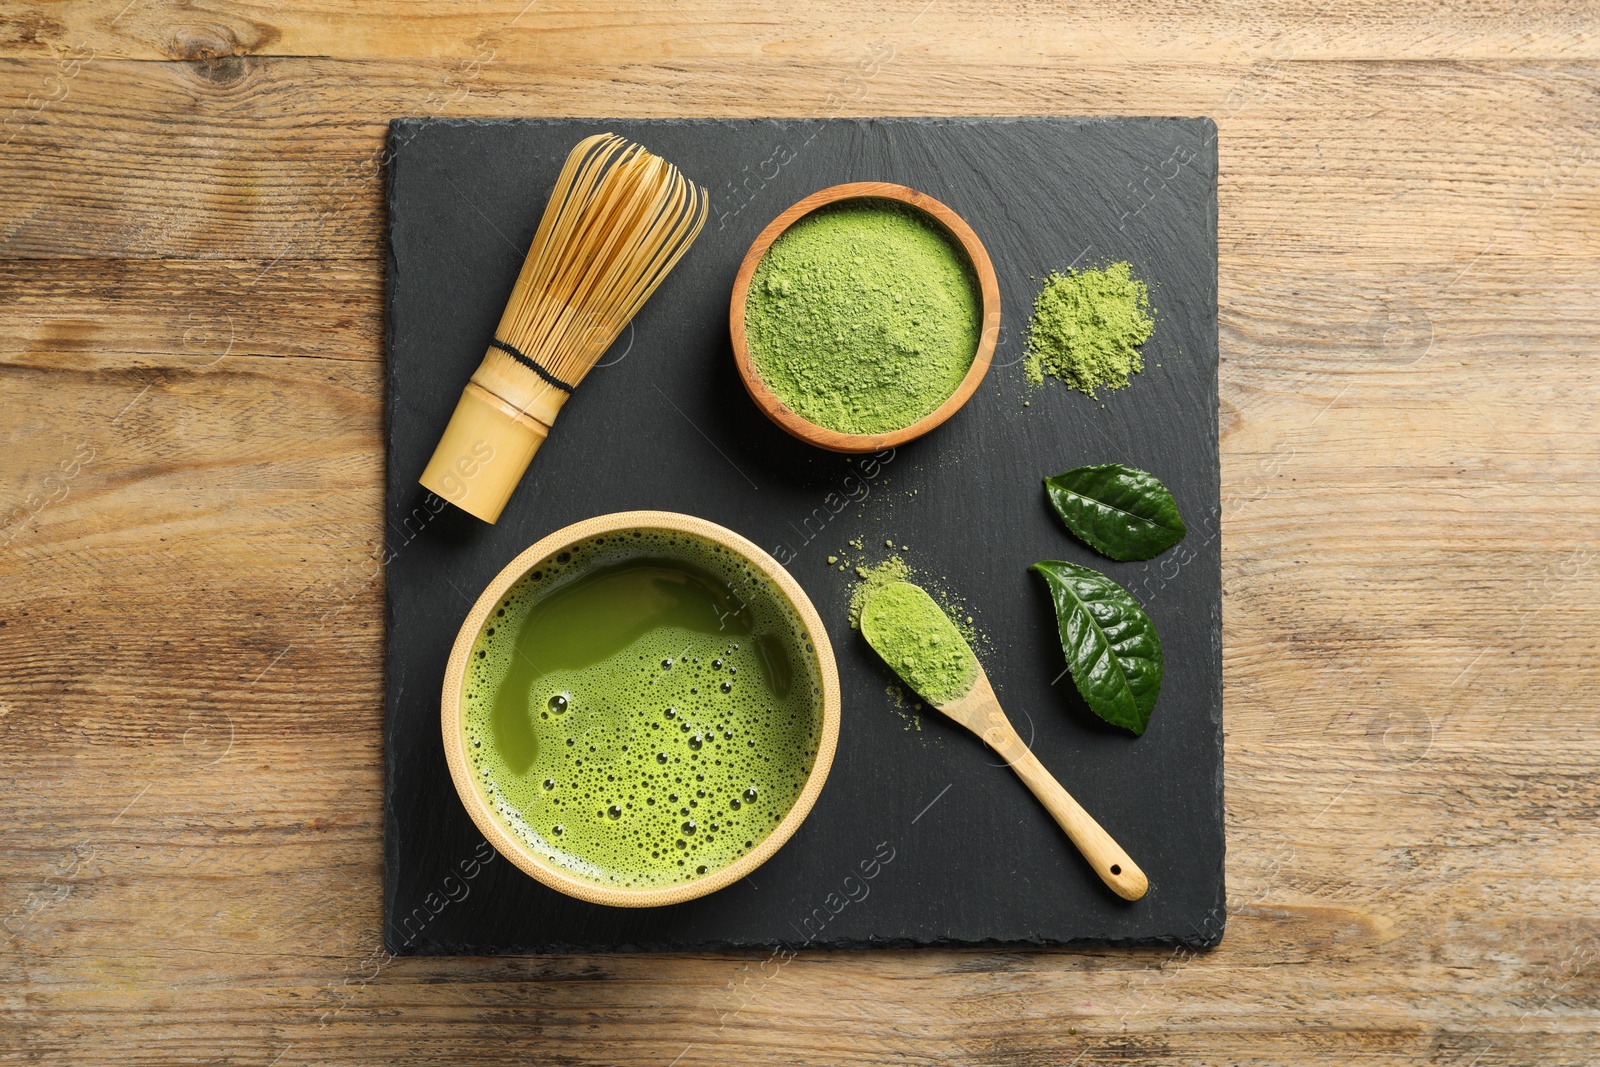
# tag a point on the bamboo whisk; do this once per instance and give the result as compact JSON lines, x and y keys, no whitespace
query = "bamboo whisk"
{"x":617,"y":222}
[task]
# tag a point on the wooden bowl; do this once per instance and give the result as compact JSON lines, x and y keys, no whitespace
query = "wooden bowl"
{"x":454,"y":726}
{"x":989,"y":291}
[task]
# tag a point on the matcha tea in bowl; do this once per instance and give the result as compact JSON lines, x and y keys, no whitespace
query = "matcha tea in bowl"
{"x":640,"y":709}
{"x":864,"y":316}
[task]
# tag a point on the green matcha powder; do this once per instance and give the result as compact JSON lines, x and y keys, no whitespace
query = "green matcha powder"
{"x":863,"y":317}
{"x":916,"y":638}
{"x":1087,"y":326}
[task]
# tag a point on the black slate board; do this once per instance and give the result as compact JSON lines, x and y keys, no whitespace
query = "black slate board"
{"x":919,"y":837}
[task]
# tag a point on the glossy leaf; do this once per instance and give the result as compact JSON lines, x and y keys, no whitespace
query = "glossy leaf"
{"x":1112,"y":647}
{"x":1118,"y":511}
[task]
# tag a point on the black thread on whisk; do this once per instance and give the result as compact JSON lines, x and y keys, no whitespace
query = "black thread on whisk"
{"x":511,"y":350}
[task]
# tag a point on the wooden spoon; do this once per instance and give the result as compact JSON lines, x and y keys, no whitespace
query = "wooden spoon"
{"x":906,"y":639}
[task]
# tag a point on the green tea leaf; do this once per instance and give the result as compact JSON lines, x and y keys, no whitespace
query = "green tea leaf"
{"x":1112,"y":647}
{"x":1118,"y":511}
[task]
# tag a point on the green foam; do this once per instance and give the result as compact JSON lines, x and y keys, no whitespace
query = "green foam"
{"x":606,"y":760}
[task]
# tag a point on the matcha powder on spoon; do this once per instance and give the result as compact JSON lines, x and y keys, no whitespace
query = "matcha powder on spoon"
{"x":1087,"y":328}
{"x":918,"y":641}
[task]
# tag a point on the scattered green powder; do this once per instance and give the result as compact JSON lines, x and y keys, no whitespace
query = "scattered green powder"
{"x":904,"y":701}
{"x":863,"y":317}
{"x":906,"y":705}
{"x":918,"y":641}
{"x":1087,"y":326}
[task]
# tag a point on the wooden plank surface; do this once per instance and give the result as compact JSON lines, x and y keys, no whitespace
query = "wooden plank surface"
{"x":190,"y":603}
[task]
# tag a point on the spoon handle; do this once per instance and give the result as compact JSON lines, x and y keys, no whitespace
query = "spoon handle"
{"x":1114,"y":866}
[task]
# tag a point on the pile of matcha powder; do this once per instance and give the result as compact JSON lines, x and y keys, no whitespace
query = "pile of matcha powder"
{"x":863,"y":317}
{"x":1087,"y":326}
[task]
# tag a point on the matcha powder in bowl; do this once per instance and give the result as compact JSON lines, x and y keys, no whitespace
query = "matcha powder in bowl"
{"x":864,"y":316}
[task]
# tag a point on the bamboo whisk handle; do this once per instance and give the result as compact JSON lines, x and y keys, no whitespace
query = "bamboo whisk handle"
{"x":483,"y":453}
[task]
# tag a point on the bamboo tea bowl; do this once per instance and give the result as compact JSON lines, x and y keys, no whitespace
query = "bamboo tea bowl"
{"x":989,"y":298}
{"x":453,"y":718}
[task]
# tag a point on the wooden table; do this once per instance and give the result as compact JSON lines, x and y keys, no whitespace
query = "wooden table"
{"x":191,"y":604}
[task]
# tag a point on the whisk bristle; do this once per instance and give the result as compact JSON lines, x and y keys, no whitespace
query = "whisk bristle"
{"x":618,"y":221}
